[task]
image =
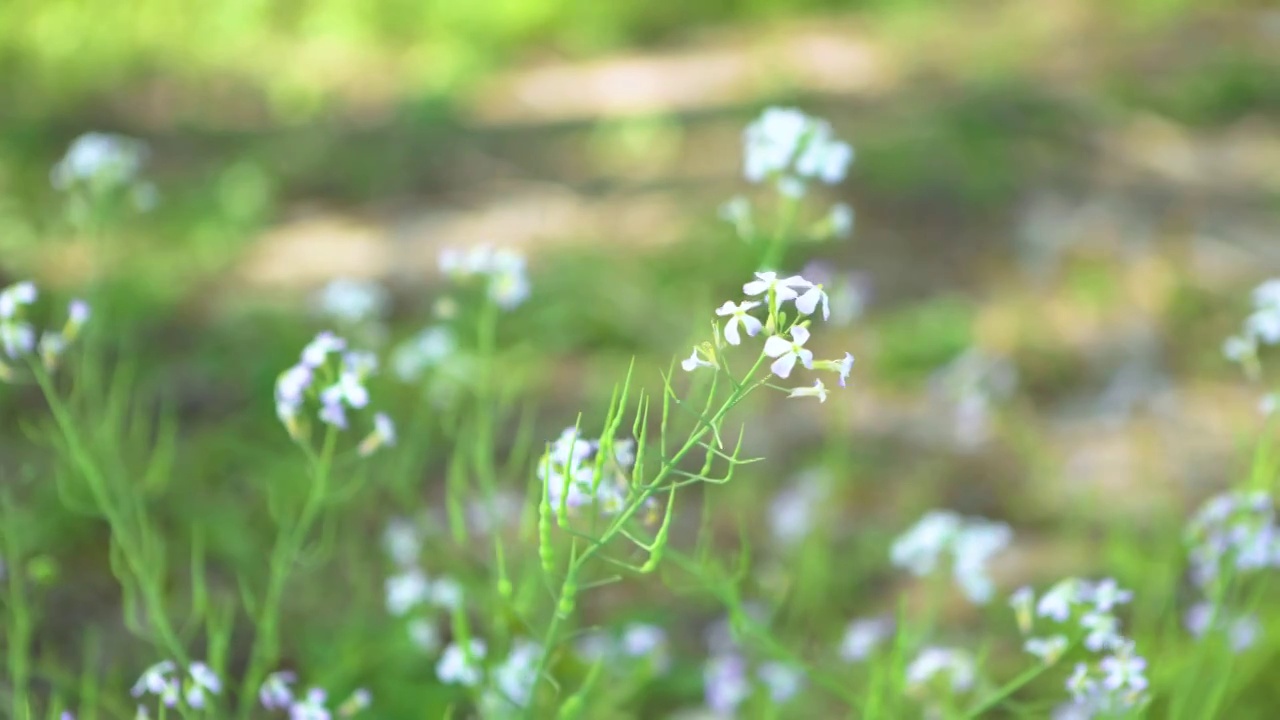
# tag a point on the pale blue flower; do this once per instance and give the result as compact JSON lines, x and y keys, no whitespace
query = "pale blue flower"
{"x":1242,"y":631}
{"x":919,"y":548}
{"x":312,"y":707}
{"x":974,"y":546}
{"x":772,"y":141}
{"x":783,"y":682}
{"x":840,"y":220}
{"x":349,"y":391}
{"x":791,"y":512}
{"x":787,"y":352}
{"x":971,"y":542}
{"x":695,"y":361}
{"x":1106,"y":594}
{"x":383,"y":435}
{"x":361,"y":699}
{"x":782,"y":289}
{"x":446,"y":593}
{"x":862,"y":637}
{"x":353,"y":301}
{"x":1264,"y":325}
{"x":809,"y":301}
{"x":956,"y":665}
{"x":517,"y":676}
{"x":1059,"y":601}
{"x":1023,"y":602}
{"x":318,"y":350}
{"x":157,"y":680}
{"x":18,"y":338}
{"x":458,"y":666}
{"x":1103,"y":631}
{"x":101,"y":157}
{"x":640,"y":640}
{"x":1239,"y":348}
{"x":818,"y":390}
{"x":725,"y":683}
{"x":332,"y":413}
{"x":786,"y":144}
{"x":1048,"y":649}
{"x":1267,"y":295}
{"x":1124,"y":671}
{"x":402,"y":541}
{"x":424,"y":635}
{"x":738,"y":318}
{"x":276,"y":693}
{"x":16,"y":296}
{"x":737,"y":210}
{"x":824,"y":157}
{"x":406,"y":591}
{"x":203,"y":680}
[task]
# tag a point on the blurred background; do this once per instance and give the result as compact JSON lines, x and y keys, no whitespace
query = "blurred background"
{"x":1061,"y":208}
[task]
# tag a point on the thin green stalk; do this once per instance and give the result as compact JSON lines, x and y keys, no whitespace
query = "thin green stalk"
{"x":134,"y":554}
{"x":19,"y":628}
{"x":668,"y":464}
{"x":777,"y":246}
{"x":289,"y":543}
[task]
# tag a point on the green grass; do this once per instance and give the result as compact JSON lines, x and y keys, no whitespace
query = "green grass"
{"x":152,"y":506}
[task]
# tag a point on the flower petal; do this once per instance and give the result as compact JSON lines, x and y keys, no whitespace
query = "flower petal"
{"x":731,"y":332}
{"x":782,"y":366}
{"x":775,"y":346}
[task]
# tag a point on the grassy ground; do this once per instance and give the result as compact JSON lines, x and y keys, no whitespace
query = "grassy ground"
{"x":152,"y":518}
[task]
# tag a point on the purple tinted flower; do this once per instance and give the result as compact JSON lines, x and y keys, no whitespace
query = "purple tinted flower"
{"x":275,"y":693}
{"x":726,"y":684}
{"x":315,"y":353}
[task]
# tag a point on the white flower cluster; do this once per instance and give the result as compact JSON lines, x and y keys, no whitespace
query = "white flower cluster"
{"x":411,"y":592}
{"x":971,"y":385}
{"x":175,"y":690}
{"x":1114,"y":683}
{"x":790,"y":148}
{"x":352,"y":302}
{"x":791,"y":513}
{"x":333,"y":377}
{"x":1232,"y":534}
{"x":786,"y":348}
{"x":730,"y":677}
{"x":504,"y":271}
{"x":943,"y":671}
{"x":569,"y":469}
{"x":99,"y":157}
{"x":1235,"y":529}
{"x":971,"y":542}
{"x":103,"y":161}
{"x":277,"y":693}
{"x":634,"y":643}
{"x":863,"y":637}
{"x":1261,"y":327}
{"x":507,"y":687}
{"x":728,"y":681}
{"x":428,"y":349}
{"x":18,"y":334}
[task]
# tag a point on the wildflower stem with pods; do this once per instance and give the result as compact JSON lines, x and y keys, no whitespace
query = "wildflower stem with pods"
{"x":326,"y":385}
{"x":97,"y":484}
{"x":293,"y":530}
{"x":657,"y":477}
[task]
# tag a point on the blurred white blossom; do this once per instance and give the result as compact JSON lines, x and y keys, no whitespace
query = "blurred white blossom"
{"x":971,"y":542}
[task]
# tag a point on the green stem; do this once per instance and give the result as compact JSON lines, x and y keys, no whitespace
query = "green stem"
{"x":777,"y":246}
{"x":18,"y":637}
{"x":649,"y":490}
{"x":289,"y":542}
{"x":134,"y":554}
